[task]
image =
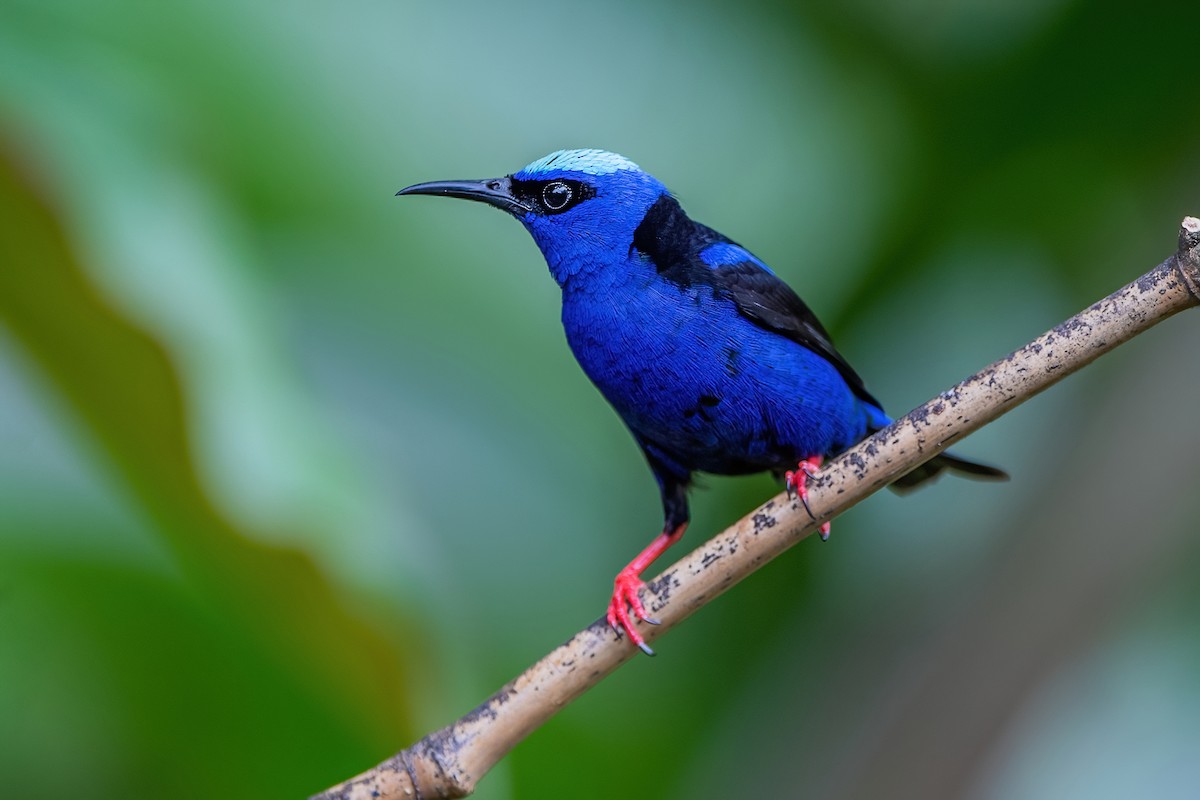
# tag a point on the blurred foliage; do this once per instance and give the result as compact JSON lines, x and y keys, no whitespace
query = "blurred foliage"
{"x":292,"y":472}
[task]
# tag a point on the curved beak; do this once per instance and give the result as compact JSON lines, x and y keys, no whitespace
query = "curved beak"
{"x":494,"y":191}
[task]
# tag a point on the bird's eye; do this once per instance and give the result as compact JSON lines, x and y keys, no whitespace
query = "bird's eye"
{"x":556,"y":195}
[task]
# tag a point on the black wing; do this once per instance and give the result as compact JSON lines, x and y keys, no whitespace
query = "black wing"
{"x":767,"y":301}
{"x":673,"y":241}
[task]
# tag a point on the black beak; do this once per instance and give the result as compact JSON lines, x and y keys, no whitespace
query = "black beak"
{"x":495,"y":192}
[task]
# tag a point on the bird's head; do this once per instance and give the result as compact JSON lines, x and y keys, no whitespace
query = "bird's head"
{"x":581,"y":206}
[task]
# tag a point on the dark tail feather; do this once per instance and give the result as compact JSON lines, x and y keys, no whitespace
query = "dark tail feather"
{"x":932,"y":468}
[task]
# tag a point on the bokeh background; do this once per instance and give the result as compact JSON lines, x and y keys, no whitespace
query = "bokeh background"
{"x":293,"y":472}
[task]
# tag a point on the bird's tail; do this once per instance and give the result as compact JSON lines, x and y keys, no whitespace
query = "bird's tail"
{"x":946,"y":462}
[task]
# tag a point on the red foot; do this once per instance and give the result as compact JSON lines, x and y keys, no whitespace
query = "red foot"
{"x":625,"y":590}
{"x":625,"y":598}
{"x":797,"y":485}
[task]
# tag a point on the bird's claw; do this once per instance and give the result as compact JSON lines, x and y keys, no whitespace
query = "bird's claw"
{"x":625,"y":599}
{"x":796,"y":482}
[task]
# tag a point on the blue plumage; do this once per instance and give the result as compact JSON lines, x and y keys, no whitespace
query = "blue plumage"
{"x":713,"y":362}
{"x":702,"y":384}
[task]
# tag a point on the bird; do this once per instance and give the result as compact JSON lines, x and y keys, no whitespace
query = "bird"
{"x":712,"y":361}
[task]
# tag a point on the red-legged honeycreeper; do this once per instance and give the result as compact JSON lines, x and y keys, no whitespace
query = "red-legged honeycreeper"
{"x":713,"y":362}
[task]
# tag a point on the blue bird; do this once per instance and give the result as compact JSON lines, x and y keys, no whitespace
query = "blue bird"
{"x":712,"y":361}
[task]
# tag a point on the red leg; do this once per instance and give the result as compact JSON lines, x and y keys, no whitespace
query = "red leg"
{"x":797,"y":484}
{"x":628,"y":582}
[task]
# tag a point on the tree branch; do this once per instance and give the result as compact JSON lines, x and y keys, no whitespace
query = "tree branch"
{"x":451,"y":761}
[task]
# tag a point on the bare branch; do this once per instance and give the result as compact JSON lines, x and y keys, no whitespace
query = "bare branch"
{"x":449,"y":762}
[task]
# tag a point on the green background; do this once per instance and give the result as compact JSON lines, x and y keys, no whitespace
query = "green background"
{"x":293,"y":472}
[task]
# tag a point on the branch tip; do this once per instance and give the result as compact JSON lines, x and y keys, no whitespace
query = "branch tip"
{"x":1187,"y":260}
